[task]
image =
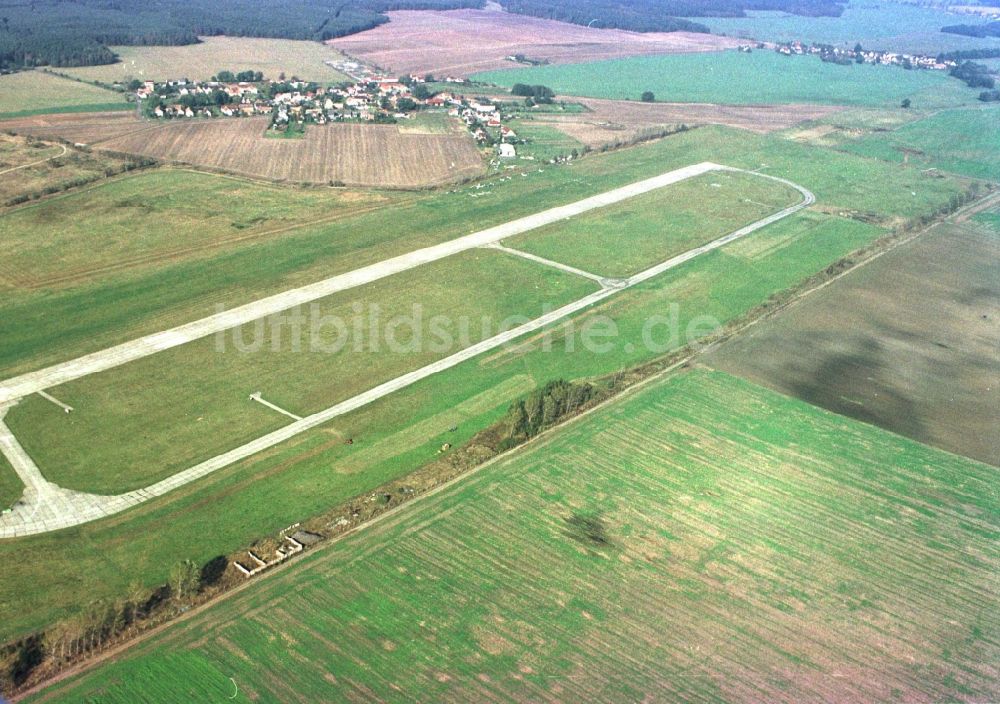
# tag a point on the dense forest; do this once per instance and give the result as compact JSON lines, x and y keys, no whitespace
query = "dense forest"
{"x":79,"y":32}
{"x":990,"y":29}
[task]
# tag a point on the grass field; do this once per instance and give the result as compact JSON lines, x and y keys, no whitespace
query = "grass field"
{"x":42,"y":325}
{"x":156,"y":216}
{"x":763,"y":77}
{"x":28,"y":92}
{"x":188,"y":404}
{"x":738,"y":545}
{"x":965,"y":141}
{"x":10,"y":485}
{"x":890,"y":26}
{"x":199,"y":62}
{"x":627,"y":238}
{"x":544,"y":142}
{"x":316,"y":470}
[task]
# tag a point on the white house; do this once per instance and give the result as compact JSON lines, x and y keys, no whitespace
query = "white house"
{"x":507,"y":151}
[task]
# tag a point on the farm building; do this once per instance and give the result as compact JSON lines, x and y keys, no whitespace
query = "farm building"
{"x":507,"y":151}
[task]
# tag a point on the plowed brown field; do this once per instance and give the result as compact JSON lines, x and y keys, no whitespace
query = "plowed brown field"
{"x":462,"y":42}
{"x":350,"y":154}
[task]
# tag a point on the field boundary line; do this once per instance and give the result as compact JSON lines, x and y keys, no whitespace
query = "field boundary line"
{"x":89,"y":507}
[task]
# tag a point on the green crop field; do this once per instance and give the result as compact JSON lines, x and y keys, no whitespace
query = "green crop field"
{"x":41,"y":325}
{"x":32,"y":92}
{"x":890,"y":26}
{"x":990,"y":218}
{"x":965,"y":141}
{"x":316,"y":470}
{"x":624,"y":239}
{"x":190,"y":403}
{"x":702,"y":540}
{"x":763,"y":77}
{"x":199,"y":62}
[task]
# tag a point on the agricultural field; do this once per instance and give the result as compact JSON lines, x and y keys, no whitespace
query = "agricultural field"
{"x":889,"y":26}
{"x":32,"y":92}
{"x":199,"y":62}
{"x":603,"y":122}
{"x":190,"y":403}
{"x":164,"y":215}
{"x":86,"y":128}
{"x":702,"y":540}
{"x":316,"y":470}
{"x":622,"y":240}
{"x":461,"y":42}
{"x":964,"y":141}
{"x":763,"y":77}
{"x":918,"y":358}
{"x":343,"y":154}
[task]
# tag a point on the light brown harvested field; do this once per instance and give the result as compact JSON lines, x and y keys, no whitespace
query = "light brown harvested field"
{"x":84,"y":128}
{"x":462,"y":42}
{"x":908,"y":342}
{"x":199,"y":62}
{"x":350,"y":154}
{"x":613,"y":120}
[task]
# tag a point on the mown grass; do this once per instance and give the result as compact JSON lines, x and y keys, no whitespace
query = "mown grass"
{"x":964,"y":141}
{"x":629,"y":237}
{"x":317,"y":470}
{"x":763,"y":77}
{"x":11,"y":487}
{"x":147,"y":420}
{"x":752,"y":545}
{"x":199,"y":62}
{"x":41,"y":326}
{"x":34,"y":92}
{"x":173,"y":214}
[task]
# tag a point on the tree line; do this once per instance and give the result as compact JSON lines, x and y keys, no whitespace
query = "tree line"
{"x":980,"y":31}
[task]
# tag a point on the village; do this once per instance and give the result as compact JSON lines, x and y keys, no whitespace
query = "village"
{"x":292,"y":104}
{"x":864,"y":56}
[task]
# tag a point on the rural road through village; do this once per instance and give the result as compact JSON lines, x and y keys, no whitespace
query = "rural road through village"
{"x":47,"y":507}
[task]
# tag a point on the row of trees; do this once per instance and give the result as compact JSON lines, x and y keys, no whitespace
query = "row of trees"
{"x":975,"y":75}
{"x":103,"y":622}
{"x":538,"y":94}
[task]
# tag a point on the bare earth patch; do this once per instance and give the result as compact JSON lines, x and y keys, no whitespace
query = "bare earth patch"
{"x":907,"y":343}
{"x":462,"y":42}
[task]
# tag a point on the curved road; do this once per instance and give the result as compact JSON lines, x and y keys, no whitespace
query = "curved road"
{"x":46,"y":506}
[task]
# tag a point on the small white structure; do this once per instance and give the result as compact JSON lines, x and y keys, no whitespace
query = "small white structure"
{"x":507,"y":151}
